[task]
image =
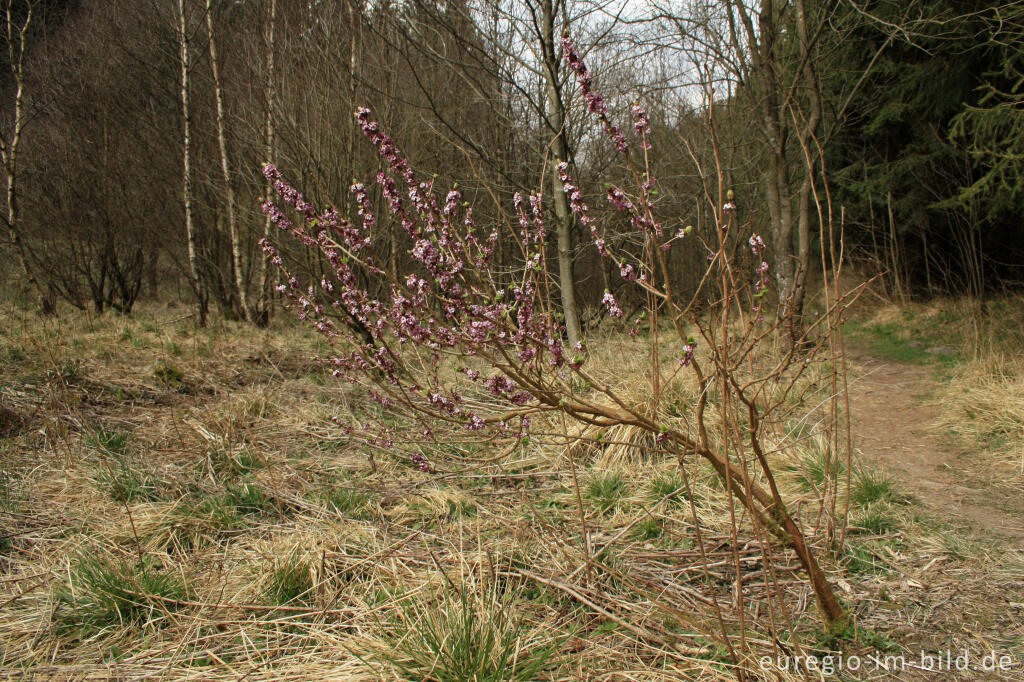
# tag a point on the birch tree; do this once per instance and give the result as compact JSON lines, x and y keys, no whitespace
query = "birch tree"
{"x":262,"y":310}
{"x":229,"y":190}
{"x":15,"y":30}
{"x":195,"y":279}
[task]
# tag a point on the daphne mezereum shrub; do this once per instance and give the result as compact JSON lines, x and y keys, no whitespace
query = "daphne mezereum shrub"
{"x":452,"y":309}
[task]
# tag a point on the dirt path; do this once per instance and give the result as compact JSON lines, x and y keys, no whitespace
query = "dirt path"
{"x":891,"y":430}
{"x":932,"y":601}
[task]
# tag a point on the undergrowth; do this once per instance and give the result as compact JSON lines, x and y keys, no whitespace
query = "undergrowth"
{"x":241,"y":493}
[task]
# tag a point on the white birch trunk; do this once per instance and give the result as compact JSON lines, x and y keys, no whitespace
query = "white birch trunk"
{"x":236,"y":248}
{"x":190,"y":233}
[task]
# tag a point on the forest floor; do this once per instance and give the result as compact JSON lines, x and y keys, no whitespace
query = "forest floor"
{"x":968,"y":598}
{"x":892,"y":420}
{"x":179,"y":503}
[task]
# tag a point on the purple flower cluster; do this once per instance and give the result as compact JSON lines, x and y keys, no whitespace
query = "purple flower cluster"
{"x":757,"y":247}
{"x":641,"y":124}
{"x":447,"y":304}
{"x":639,"y":208}
{"x":688,"y":349}
{"x":579,"y":207}
{"x":421,"y":462}
{"x":609,"y":302}
{"x":635,"y":329}
{"x":618,"y":199}
{"x":533,"y":230}
{"x":595,"y":102}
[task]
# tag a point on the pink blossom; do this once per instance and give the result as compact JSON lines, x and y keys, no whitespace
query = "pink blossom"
{"x":609,"y":302}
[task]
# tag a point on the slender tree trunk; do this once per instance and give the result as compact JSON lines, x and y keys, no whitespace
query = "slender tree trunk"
{"x":927,"y":262}
{"x":779,"y":107}
{"x":15,"y":36}
{"x":263,"y":306}
{"x":560,"y":151}
{"x":354,"y":17}
{"x":198,"y":286}
{"x":781,"y":210}
{"x":894,"y":254}
{"x":807,"y":130}
{"x":152,"y":275}
{"x":236,"y":247}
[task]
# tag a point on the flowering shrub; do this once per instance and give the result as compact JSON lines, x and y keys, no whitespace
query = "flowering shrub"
{"x":506,"y":341}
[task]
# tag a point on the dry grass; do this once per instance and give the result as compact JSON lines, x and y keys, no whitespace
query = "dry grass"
{"x":983,"y":404}
{"x":178,"y":502}
{"x":976,"y":350}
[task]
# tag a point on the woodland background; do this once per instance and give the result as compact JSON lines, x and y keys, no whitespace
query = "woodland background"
{"x":906,"y":119}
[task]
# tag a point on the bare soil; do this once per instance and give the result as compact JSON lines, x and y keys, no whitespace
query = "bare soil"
{"x":893,"y":430}
{"x":934,"y":600}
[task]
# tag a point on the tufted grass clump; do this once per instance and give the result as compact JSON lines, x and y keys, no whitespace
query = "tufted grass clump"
{"x":815,"y":468}
{"x":670,"y":486}
{"x":472,"y":635}
{"x":169,"y":375}
{"x":235,"y":461}
{"x":605,"y":491}
{"x":290,"y":580}
{"x":877,"y":519}
{"x":347,"y":501}
{"x":871,"y":486}
{"x":648,"y":529}
{"x":127,"y":483}
{"x":249,"y":499}
{"x":103,"y":594}
{"x":109,"y":441}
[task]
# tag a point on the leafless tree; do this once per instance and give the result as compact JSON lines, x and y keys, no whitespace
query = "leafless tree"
{"x":198,"y":285}
{"x":17,"y":19}
{"x":229,"y":189}
{"x":262,"y":310}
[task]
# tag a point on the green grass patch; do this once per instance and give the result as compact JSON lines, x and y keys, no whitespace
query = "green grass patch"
{"x":194,"y":524}
{"x":648,"y":529}
{"x":249,"y":499}
{"x":468,"y":636}
{"x":813,"y":468}
{"x":878,"y":519}
{"x":910,"y":343}
{"x":235,"y":461}
{"x":127,"y":483}
{"x":290,"y":580}
{"x":217,"y":513}
{"x":14,"y":355}
{"x":605,"y":491}
{"x":103,"y":595}
{"x":861,"y":559}
{"x":860,"y":636}
{"x":67,"y":370}
{"x":109,"y":441}
{"x":871,"y":486}
{"x":347,"y":501}
{"x":670,"y":486}
{"x":958,"y":547}
{"x":169,"y":376}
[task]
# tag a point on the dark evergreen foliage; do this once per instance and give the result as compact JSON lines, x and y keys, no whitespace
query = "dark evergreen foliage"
{"x":923,"y":162}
